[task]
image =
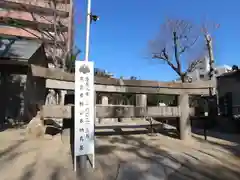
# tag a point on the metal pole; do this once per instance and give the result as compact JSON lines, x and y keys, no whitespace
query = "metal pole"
{"x":88,"y":29}
{"x":69,"y":55}
{"x":211,"y":63}
{"x":83,"y":169}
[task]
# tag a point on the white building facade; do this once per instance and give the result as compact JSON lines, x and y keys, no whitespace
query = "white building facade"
{"x":201,"y":70}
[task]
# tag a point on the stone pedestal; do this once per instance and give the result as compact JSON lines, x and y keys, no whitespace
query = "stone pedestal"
{"x":104,"y":100}
{"x":141,"y":100}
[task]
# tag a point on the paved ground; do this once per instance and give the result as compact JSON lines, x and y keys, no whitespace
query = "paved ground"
{"x":139,"y":157}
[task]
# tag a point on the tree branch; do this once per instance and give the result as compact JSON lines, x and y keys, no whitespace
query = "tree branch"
{"x":186,"y":47}
{"x":165,"y":57}
{"x":180,"y":38}
{"x":192,"y":66}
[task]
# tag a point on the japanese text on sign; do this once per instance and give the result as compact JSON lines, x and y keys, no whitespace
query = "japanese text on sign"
{"x":84,"y":108}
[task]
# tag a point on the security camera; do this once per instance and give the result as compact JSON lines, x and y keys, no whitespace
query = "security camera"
{"x":94,"y":17}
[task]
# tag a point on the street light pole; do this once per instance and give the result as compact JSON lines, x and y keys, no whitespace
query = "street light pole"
{"x":88,"y":29}
{"x":84,"y":159}
{"x":83,"y":169}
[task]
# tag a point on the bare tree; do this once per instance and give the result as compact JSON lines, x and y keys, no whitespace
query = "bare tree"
{"x":177,"y":38}
{"x":209,"y":47}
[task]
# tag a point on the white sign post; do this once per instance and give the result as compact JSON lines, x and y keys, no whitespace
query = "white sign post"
{"x":84,"y":110}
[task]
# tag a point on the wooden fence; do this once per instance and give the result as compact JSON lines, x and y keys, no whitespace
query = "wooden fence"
{"x":57,"y":79}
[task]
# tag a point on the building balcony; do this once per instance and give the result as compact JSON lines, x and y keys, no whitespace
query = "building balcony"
{"x":21,"y":23}
{"x":32,"y":17}
{"x":62,"y":5}
{"x":30,"y":34}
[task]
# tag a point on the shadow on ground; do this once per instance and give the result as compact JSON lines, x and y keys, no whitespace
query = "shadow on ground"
{"x":10,"y":154}
{"x":118,"y":131}
{"x":22,"y":159}
{"x":232,"y":137}
{"x":234,"y":140}
{"x":130,"y":156}
{"x":174,"y":167}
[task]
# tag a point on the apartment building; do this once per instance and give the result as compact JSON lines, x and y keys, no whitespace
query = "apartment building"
{"x":201,"y":70}
{"x":47,"y":21}
{"x":38,"y":31}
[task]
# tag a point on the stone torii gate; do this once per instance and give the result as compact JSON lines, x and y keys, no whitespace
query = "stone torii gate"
{"x":56,"y":79}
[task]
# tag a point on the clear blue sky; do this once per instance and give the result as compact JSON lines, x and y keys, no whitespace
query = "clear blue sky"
{"x":119,"y":40}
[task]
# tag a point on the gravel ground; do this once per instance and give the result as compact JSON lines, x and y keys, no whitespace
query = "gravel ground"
{"x":140,"y":157}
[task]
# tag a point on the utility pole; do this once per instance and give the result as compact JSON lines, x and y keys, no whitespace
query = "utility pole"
{"x":208,"y":40}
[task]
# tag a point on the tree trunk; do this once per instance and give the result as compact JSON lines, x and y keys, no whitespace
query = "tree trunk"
{"x":176,"y":53}
{"x":212,"y":114}
{"x":182,"y":78}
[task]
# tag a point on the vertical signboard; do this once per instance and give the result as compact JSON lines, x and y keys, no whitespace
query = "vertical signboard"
{"x":84,"y":108}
